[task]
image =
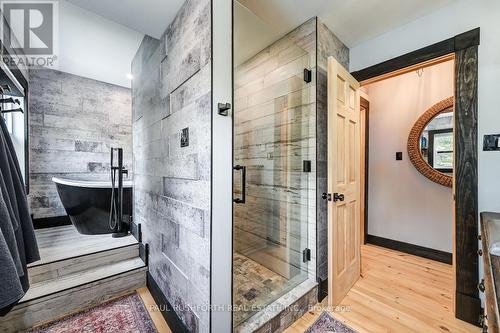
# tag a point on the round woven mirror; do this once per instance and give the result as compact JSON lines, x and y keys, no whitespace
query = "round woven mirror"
{"x":434,"y":164}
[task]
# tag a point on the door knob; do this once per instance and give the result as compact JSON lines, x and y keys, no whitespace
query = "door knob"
{"x":326,"y":196}
{"x":338,"y":197}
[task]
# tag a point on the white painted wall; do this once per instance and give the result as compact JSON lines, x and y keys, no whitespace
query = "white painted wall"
{"x":403,"y":205}
{"x":442,"y":24}
{"x":94,"y":47}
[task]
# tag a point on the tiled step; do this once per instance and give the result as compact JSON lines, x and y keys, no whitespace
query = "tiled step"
{"x":68,"y":285}
{"x":80,"y":278}
{"x":65,"y":242}
{"x":45,"y":309}
{"x":59,"y":269}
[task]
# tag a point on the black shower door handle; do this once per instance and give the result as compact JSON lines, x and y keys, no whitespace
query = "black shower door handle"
{"x":243,"y":170}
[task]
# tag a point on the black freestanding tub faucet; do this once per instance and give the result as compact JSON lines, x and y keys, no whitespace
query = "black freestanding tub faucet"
{"x":116,"y":221}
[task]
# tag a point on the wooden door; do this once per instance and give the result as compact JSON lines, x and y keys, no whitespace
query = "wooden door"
{"x":343,"y":181}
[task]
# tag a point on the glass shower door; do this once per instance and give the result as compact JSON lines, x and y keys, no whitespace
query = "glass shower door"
{"x":273,"y":152}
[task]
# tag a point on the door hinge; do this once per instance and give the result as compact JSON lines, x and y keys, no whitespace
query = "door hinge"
{"x":306,"y":167}
{"x":306,"y":255}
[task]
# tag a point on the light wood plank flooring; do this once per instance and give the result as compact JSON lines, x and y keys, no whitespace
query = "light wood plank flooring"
{"x":158,"y":320}
{"x":397,"y":292}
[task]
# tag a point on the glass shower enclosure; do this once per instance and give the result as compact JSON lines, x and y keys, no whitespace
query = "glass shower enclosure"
{"x":274,"y":138}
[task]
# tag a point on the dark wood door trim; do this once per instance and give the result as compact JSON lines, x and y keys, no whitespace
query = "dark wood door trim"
{"x":467,"y":302}
{"x":448,"y":46}
{"x":465,"y":48}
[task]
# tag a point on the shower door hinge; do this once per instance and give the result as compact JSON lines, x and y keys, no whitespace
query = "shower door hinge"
{"x":307,"y":75}
{"x":306,"y":255}
{"x":306,"y":166}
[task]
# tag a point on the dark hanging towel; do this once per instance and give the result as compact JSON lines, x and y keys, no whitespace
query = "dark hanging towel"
{"x":18,"y":246}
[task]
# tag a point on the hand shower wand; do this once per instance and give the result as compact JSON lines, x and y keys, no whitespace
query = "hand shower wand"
{"x":119,"y":227}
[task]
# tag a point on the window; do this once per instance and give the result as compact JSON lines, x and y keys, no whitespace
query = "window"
{"x":8,"y":121}
{"x":441,"y":150}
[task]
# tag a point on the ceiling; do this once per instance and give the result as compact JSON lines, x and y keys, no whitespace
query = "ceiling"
{"x":260,"y":22}
{"x":149,"y":17}
{"x":353,"y":21}
{"x":251,"y":34}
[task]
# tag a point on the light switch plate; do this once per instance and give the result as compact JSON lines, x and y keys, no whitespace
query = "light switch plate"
{"x":491,"y":142}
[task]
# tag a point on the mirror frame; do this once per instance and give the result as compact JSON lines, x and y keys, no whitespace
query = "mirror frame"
{"x":413,"y":147}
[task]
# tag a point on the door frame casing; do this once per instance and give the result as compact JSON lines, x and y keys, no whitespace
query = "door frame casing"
{"x":466,"y":261}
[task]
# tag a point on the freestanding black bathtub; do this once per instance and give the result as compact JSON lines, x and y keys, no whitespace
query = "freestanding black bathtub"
{"x":88,"y":203}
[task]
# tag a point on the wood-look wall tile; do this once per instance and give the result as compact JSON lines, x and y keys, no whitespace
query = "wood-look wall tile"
{"x":71,"y":132}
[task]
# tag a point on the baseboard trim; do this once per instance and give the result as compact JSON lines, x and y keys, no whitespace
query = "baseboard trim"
{"x":174,"y":322}
{"x":468,"y":308}
{"x":417,"y":250}
{"x":51,"y":222}
{"x":136,"y":231}
{"x":144,"y":253}
{"x":322,"y":289}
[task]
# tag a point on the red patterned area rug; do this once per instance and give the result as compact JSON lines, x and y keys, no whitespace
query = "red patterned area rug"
{"x":126,"y":314}
{"x":327,"y":324}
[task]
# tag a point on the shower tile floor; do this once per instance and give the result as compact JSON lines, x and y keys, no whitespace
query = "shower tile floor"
{"x":254,"y":287}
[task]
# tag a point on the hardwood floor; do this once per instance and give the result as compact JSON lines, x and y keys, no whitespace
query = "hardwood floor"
{"x":158,"y":320}
{"x":397,"y":292}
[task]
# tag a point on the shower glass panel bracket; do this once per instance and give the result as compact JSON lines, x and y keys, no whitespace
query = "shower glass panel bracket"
{"x":223,"y":109}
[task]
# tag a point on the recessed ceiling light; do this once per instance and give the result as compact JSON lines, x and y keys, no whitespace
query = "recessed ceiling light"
{"x":130,"y":76}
